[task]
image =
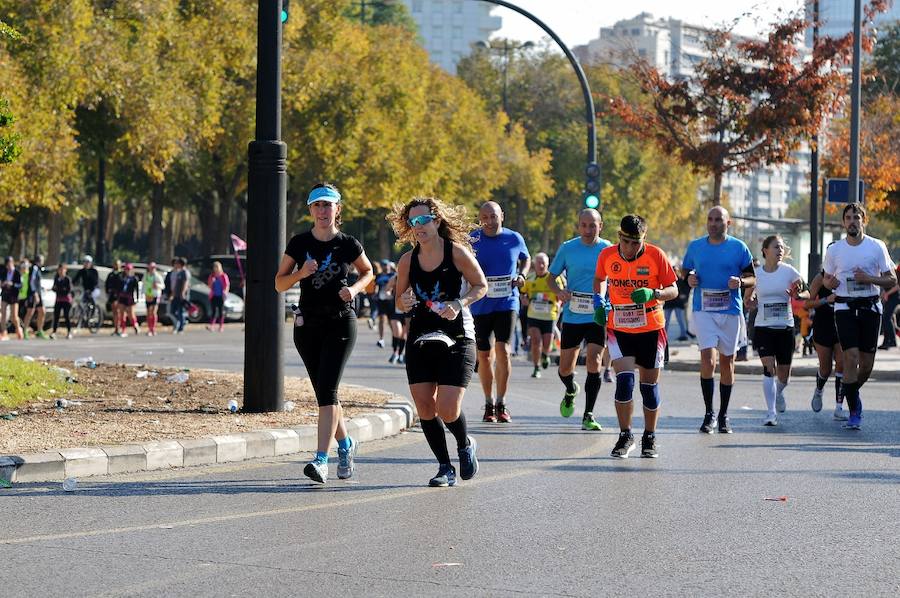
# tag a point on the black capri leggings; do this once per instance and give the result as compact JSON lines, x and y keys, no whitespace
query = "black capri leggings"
{"x":217,"y":307}
{"x":61,"y":308}
{"x":324,"y":345}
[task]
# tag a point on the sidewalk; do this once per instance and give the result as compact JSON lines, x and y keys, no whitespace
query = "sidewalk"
{"x":685,"y":357}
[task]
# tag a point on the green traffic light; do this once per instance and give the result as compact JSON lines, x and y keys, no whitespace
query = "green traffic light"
{"x":284,"y":16}
{"x":592,"y":201}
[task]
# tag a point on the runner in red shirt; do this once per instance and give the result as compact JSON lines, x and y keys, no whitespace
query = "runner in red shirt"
{"x":640,"y":279}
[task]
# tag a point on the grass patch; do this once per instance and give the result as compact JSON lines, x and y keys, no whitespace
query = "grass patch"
{"x":23,"y":381}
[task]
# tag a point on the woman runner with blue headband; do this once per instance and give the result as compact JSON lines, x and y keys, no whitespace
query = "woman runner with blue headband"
{"x":324,"y":322}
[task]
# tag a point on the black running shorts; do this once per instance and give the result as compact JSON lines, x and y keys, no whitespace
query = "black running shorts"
{"x":858,"y":329}
{"x":777,"y":342}
{"x":436,"y":363}
{"x":499,"y":324}
{"x":543,"y":326}
{"x":574,"y":334}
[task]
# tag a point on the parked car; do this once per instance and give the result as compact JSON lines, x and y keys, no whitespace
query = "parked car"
{"x":199,"y":297}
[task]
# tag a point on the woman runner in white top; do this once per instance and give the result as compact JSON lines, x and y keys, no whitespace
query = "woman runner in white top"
{"x":776,"y":284}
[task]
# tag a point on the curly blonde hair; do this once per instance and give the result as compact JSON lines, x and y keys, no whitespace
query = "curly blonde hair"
{"x":455,"y":224}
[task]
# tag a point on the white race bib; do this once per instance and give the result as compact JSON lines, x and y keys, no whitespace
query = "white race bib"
{"x":776,"y":312}
{"x":582,"y":303}
{"x":859,"y":289}
{"x":540,"y":307}
{"x":629,"y":316}
{"x":715,"y":299}
{"x":499,"y":287}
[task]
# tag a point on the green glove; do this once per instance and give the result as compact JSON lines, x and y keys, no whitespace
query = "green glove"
{"x":641,"y":295}
{"x":600,"y":315}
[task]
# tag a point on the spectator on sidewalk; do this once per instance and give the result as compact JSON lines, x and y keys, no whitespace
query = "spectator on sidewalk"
{"x":180,"y":286}
{"x":62,"y":286}
{"x":10,"y":285}
{"x":33,"y":301}
{"x":219,"y":286}
{"x":890,"y":299}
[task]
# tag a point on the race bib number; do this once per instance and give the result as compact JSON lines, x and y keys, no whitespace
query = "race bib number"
{"x":858,"y":289}
{"x":715,"y":299}
{"x":776,"y":312}
{"x":582,"y":303}
{"x":540,"y":307}
{"x":629,"y":316}
{"x":499,"y":287}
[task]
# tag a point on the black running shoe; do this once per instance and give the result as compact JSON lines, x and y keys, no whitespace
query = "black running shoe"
{"x":446,"y":476}
{"x":624,"y":445}
{"x":468,"y":462}
{"x":724,"y":424}
{"x":707,"y":427}
{"x":648,"y":446}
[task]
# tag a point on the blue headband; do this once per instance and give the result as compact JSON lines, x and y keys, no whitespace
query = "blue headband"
{"x":323,"y":193}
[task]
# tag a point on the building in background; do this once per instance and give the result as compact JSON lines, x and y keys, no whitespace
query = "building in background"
{"x":837,"y":17}
{"x":449,"y":28}
{"x":674,"y":47}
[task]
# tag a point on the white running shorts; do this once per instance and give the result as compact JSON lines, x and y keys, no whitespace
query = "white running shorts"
{"x":717,"y":331}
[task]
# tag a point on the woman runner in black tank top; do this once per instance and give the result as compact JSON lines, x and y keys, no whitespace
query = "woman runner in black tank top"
{"x":828,"y":349}
{"x":436,"y":282}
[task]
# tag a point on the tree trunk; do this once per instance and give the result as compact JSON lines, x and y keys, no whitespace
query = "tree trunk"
{"x":717,"y":189}
{"x":156,"y":222}
{"x":101,"y":246}
{"x":168,"y":243}
{"x":18,"y":248}
{"x":520,"y":214}
{"x":384,"y":239}
{"x":54,"y":238}
{"x":548,"y":223}
{"x":222,"y":239}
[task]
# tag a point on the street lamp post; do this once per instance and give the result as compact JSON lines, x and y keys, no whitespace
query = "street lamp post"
{"x":815,"y":259}
{"x":591,"y":171}
{"x":267,"y":191}
{"x":855,"y":92}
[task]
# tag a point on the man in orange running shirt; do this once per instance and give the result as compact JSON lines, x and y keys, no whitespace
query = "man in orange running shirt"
{"x":640,"y":279}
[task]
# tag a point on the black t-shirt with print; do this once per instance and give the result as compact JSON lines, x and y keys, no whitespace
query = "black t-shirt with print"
{"x":319,"y":292}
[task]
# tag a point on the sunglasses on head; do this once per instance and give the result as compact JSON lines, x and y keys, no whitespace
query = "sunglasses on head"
{"x":422,"y":220}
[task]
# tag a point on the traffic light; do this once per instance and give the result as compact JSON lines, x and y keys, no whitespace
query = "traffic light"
{"x":592,"y":186}
{"x":285,"y":10}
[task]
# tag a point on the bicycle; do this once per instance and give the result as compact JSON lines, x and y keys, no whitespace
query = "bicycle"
{"x":87,"y":314}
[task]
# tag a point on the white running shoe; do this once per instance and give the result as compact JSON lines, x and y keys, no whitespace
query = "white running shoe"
{"x":780,"y":403}
{"x":816,"y":402}
{"x":316,"y":471}
{"x":346,"y":464}
{"x":380,"y":343}
{"x":770,"y":420}
{"x":839,"y":413}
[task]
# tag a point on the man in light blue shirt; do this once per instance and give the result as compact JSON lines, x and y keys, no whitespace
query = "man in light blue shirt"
{"x":717,"y":267}
{"x":505,"y":260}
{"x":577,"y":260}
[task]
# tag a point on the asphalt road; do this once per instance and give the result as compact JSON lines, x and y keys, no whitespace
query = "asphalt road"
{"x":549,"y":513}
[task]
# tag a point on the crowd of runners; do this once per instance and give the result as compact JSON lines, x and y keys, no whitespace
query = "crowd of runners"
{"x":451,"y":305}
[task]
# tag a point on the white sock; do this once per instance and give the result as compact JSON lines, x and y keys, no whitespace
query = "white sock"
{"x":769,"y":392}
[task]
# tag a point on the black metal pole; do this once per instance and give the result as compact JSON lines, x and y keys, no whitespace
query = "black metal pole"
{"x":267,"y":190}
{"x":590,"y":114}
{"x":855,"y":92}
{"x":815,"y":260}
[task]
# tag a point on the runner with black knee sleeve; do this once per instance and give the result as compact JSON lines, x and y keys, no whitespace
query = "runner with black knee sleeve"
{"x":325,"y":325}
{"x":640,"y":279}
{"x":773,"y":332}
{"x":854,"y":268}
{"x":436,"y":283}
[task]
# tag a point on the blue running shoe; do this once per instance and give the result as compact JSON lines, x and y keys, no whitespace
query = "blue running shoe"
{"x":446,"y":476}
{"x":468,"y":462}
{"x":854,"y":422}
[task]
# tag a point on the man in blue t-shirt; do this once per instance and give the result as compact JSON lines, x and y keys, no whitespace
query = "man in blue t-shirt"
{"x":577,"y":259}
{"x":717,"y":267}
{"x":503,"y":257}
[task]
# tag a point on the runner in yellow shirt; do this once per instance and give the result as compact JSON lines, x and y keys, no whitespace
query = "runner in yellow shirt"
{"x":543,"y":311}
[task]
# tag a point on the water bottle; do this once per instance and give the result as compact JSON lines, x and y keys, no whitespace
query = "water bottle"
{"x":298,"y":315}
{"x":233,"y":406}
{"x":69,"y":484}
{"x":289,"y":406}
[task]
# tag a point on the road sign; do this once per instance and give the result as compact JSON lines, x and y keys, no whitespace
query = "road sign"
{"x":838,"y":191}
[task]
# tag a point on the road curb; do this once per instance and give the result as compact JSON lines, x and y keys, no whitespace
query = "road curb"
{"x":50,"y":466}
{"x":796,"y":370}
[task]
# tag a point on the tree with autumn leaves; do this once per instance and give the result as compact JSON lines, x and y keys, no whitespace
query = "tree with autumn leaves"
{"x":749,"y":103}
